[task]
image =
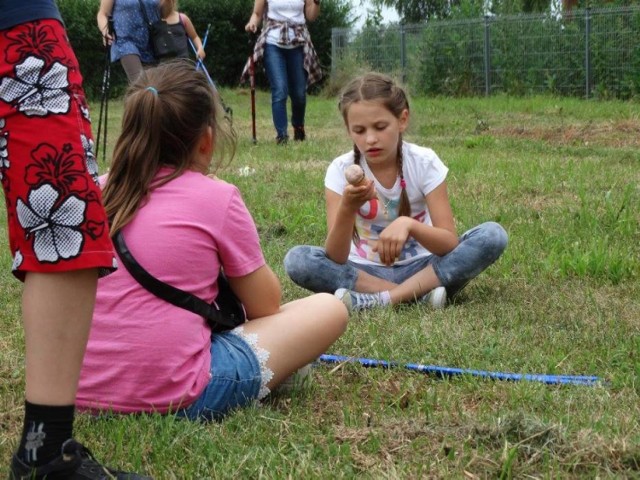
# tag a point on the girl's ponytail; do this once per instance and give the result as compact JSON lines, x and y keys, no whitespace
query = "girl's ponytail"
{"x":356,"y":159}
{"x":404,"y":209}
{"x":167,"y":110}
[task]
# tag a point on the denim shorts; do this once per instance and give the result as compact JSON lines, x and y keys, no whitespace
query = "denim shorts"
{"x":238,"y":375}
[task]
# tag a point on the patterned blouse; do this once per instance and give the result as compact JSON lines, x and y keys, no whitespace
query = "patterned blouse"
{"x":132,"y":33}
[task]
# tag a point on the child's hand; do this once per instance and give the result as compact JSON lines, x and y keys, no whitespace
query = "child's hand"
{"x":200,"y":53}
{"x":356,"y":196}
{"x":392,"y":240}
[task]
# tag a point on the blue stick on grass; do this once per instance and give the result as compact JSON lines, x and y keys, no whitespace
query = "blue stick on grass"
{"x":442,"y":372}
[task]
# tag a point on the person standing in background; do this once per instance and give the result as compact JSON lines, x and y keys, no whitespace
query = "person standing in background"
{"x":130,"y":42}
{"x":290,"y":61}
{"x":58,"y":231}
{"x":183,"y":29}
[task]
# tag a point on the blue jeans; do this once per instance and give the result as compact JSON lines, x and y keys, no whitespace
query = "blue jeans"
{"x":479,"y":247}
{"x":287,"y":77}
{"x":235,"y":379}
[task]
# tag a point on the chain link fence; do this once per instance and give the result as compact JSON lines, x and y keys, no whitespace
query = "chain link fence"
{"x":586,"y":53}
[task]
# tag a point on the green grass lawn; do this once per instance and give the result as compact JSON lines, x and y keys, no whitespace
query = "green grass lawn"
{"x":562,"y":176}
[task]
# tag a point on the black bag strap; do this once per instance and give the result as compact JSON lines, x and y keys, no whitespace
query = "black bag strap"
{"x":169,"y":293}
{"x":144,"y":13}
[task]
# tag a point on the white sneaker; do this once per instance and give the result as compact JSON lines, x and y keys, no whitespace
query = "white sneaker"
{"x":296,"y":380}
{"x":437,"y":297}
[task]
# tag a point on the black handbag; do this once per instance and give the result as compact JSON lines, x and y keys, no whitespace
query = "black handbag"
{"x":161,"y":37}
{"x":225,"y":313}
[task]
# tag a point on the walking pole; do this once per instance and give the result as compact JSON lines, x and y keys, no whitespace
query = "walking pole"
{"x":444,"y":372}
{"x":104,"y":98}
{"x":204,"y":44}
{"x":252,"y":83}
{"x":200,"y":64}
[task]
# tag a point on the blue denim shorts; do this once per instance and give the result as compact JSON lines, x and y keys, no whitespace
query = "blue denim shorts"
{"x":236,"y":377}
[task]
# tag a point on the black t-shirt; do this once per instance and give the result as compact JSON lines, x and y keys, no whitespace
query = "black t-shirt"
{"x":15,"y":12}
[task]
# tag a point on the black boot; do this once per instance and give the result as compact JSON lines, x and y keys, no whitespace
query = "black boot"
{"x":298,"y":133}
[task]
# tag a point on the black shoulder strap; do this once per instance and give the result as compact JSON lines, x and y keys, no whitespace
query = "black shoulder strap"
{"x":173,"y":295}
{"x":144,"y":13}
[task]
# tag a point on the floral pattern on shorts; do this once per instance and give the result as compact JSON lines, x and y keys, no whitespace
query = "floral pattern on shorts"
{"x":47,"y":166}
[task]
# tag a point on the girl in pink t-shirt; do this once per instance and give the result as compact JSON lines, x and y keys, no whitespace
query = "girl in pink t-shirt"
{"x":183,"y":227}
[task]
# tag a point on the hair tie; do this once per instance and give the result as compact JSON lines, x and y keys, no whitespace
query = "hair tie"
{"x":152,"y":90}
{"x":403,"y":184}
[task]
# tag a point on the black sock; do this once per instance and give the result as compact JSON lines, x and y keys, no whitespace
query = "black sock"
{"x":45,"y":429}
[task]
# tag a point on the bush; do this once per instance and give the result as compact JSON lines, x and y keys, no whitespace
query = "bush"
{"x":227,"y":46}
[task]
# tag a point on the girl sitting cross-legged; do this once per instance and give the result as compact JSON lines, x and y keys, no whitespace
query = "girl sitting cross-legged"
{"x":391,"y":237}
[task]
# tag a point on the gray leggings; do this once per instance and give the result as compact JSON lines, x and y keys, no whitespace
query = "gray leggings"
{"x":132,"y":66}
{"x":479,"y":247}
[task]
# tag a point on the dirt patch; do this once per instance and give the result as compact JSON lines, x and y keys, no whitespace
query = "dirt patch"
{"x":620,"y":134}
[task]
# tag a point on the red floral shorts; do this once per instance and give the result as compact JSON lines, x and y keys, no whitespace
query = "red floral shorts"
{"x":47,"y":166}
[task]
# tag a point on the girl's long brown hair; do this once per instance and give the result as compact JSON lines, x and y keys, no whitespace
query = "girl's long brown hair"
{"x":166,"y":112}
{"x":381,"y":88}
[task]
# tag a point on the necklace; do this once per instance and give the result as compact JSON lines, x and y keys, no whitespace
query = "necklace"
{"x":385,"y":204}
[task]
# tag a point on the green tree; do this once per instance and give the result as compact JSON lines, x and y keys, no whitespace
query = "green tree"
{"x":228,"y":44}
{"x":418,"y":11}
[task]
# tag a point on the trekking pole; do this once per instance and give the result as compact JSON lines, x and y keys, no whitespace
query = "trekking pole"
{"x":204,"y":44}
{"x":104,"y":98}
{"x":252,"y":84}
{"x":200,"y":64}
{"x":445,"y":372}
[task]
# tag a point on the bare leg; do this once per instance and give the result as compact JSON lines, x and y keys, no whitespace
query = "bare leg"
{"x":409,"y":290}
{"x":57,"y":310}
{"x":368,"y":283}
{"x":299,"y":333}
{"x":415,"y":287}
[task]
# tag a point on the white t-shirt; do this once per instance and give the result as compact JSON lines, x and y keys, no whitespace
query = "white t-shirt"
{"x":291,"y":11}
{"x":423,"y":171}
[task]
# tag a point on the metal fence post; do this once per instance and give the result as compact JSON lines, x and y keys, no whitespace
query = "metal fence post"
{"x":587,"y":52}
{"x":403,"y":53}
{"x":487,"y":59}
{"x":334,"y":50}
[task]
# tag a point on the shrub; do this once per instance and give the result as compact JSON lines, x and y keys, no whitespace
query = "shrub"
{"x":227,"y":46}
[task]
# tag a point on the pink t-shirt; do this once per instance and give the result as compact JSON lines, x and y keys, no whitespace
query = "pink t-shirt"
{"x":145,"y":354}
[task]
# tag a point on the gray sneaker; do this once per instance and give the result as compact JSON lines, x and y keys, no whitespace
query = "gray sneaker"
{"x":355,"y":301}
{"x":437,"y":298}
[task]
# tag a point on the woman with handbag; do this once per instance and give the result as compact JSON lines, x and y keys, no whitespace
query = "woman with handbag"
{"x":129,"y":37}
{"x":148,"y":355}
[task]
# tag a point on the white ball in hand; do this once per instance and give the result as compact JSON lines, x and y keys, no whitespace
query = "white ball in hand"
{"x":354,"y":174}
